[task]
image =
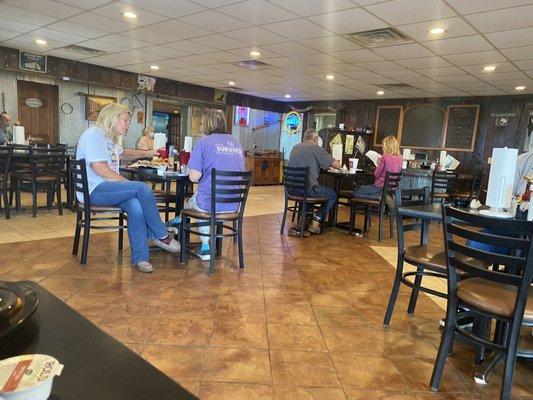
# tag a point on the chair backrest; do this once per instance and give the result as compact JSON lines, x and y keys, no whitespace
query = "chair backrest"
{"x":409,"y":197}
{"x":475,"y":184}
{"x":79,"y":182}
{"x":442,"y":181}
{"x":295,"y":181}
{"x":5,"y":161}
{"x":230,"y":187}
{"x":509,"y":246}
{"x":47,"y":160}
{"x":392,"y":181}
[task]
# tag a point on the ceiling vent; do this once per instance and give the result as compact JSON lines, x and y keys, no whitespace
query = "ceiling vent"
{"x":393,"y":86}
{"x":379,"y":37}
{"x":84,"y":50}
{"x":253,"y":64}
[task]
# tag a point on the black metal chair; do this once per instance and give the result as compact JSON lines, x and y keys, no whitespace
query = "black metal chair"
{"x":44,"y":175}
{"x":5,"y":163}
{"x":472,"y":192}
{"x":87,"y":213}
{"x":492,"y":293}
{"x":442,"y":184}
{"x":392,"y":181}
{"x":296,"y":187}
{"x":227,"y":187}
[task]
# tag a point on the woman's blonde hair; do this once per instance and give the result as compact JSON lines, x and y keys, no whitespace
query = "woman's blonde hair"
{"x":108,"y":117}
{"x":390,"y":145}
{"x":213,"y":121}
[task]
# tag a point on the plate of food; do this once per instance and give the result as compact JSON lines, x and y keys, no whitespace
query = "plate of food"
{"x":24,"y":306}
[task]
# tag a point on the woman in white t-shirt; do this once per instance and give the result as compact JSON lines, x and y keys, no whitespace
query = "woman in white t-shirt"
{"x":98,"y":146}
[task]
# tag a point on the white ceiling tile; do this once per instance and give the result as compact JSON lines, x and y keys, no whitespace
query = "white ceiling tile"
{"x":26,"y":43}
{"x":23,"y":15}
{"x":444,"y":71}
{"x":480,"y":57}
{"x":348,"y":21}
{"x":255,"y":36}
{"x":16,"y":26}
{"x":244,"y":53}
{"x":424,"y":62}
{"x":63,"y":53}
{"x":164,"y":52}
{"x":400,"y":74}
{"x":403,"y":51}
{"x":108,"y":60}
{"x":257,"y":12}
{"x":46,"y":7}
{"x":220,"y":42}
{"x":172,"y":8}
{"x":454,"y":27}
{"x":135,"y":56}
{"x":148,"y":35}
{"x":519,"y":53}
{"x":216,"y":21}
{"x":125,"y":41}
{"x":330,"y":43}
{"x":104,"y":46}
{"x":500,"y":67}
{"x":298,"y":29}
{"x":381,"y":66}
{"x":225,"y":56}
{"x":76,"y":29}
{"x":85,"y":4}
{"x":459,"y":45}
{"x":116,"y":10}
{"x":314,"y":7}
{"x":6,"y":34}
{"x":474,"y":6}
{"x":357,"y":56}
{"x":179,"y":29}
{"x":525,"y":64}
{"x":512,"y":38}
{"x":100,"y":22}
{"x":289,"y":49}
{"x":456,"y":79}
{"x":52,"y":35}
{"x":498,"y":77}
{"x":190,"y":47}
{"x":509,"y":18}
{"x":400,"y":12}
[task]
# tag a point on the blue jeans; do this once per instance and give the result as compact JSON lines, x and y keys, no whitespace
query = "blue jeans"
{"x":138,"y":201}
{"x":368,"y":191}
{"x":323,"y":191}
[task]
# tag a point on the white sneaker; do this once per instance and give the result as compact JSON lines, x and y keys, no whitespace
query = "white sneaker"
{"x":168,"y":244}
{"x":144,"y":266}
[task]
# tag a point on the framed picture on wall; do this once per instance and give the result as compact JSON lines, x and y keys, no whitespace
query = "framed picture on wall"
{"x":94,"y":103}
{"x":32,"y":62}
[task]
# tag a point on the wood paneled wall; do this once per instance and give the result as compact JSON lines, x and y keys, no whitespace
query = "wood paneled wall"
{"x":363,"y":113}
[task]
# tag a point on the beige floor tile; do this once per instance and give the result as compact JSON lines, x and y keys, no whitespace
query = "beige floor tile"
{"x":234,"y":391}
{"x":307,"y":393}
{"x":176,"y":361}
{"x":248,"y":335}
{"x":295,"y":337}
{"x":237,"y":365}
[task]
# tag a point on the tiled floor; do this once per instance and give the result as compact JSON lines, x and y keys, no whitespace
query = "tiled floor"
{"x":303,"y":320}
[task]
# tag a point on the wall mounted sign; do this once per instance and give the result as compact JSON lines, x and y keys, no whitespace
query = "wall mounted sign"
{"x":220,"y":96}
{"x":504,"y":114}
{"x":93,"y":105}
{"x":32,"y":62}
{"x":242,"y":116}
{"x":33,"y":102}
{"x":292,"y":122}
{"x":145,"y":82}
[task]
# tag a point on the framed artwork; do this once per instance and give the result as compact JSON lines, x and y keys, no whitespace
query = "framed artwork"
{"x":94,"y":103}
{"x":32,"y":62}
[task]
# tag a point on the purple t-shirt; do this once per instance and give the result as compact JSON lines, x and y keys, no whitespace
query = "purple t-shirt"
{"x":220,"y":151}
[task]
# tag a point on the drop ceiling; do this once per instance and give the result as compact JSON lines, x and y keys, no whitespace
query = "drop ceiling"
{"x":302,"y":41}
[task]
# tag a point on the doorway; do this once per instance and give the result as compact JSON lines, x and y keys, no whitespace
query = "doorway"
{"x":166,"y":118}
{"x":38,"y":111}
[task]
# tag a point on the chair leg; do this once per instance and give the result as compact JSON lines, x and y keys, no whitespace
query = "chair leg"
{"x":295,"y":211}
{"x":282,"y":229}
{"x":394,"y":291}
{"x":59,"y":202}
{"x":183,"y":244}
{"x":414,"y":292}
{"x":510,"y":364}
{"x":85,"y":244}
{"x":380,"y":225}
{"x":18,"y":203}
{"x":218,"y":240}
{"x":444,"y":348}
{"x":212,"y":249}
{"x":480,"y":329}
{"x":352,"y":218}
{"x":34,"y":199}
{"x":77,"y":233}
{"x":240,"y":246}
{"x":121,"y":231}
{"x":302,"y":218}
{"x":6,"y":203}
{"x":391,"y":223}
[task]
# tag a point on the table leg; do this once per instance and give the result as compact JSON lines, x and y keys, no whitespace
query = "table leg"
{"x":335,"y":209}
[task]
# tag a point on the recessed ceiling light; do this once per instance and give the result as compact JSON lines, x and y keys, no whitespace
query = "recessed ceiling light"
{"x":40,"y":41}
{"x":255,"y":53}
{"x":519,"y":88}
{"x":437,"y":31}
{"x":176,"y":111}
{"x":154,"y":67}
{"x":330,"y":77}
{"x":380,"y":92}
{"x":287,"y":96}
{"x":130,"y":15}
{"x":231,"y":83}
{"x":489,"y":68}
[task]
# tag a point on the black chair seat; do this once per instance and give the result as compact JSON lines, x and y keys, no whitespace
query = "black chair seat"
{"x":190,"y":212}
{"x":307,"y":199}
{"x":162,"y":194}
{"x":102,"y":208}
{"x":366,"y":200}
{"x":493,"y":297}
